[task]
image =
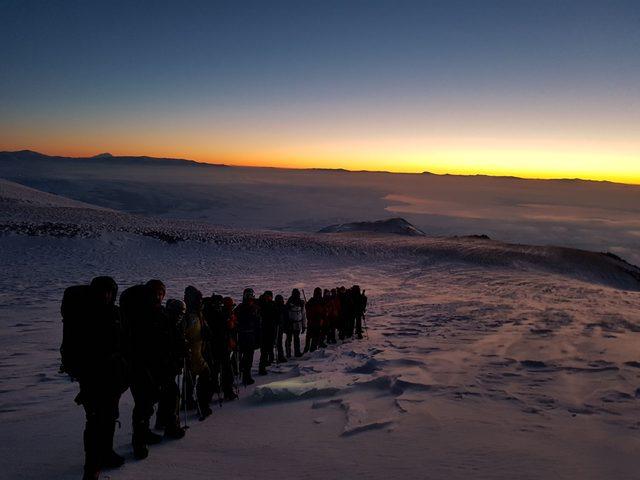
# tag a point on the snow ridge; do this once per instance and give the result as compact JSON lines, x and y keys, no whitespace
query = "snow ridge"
{"x":46,"y":220}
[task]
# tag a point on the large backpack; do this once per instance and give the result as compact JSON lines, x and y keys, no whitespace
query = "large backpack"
{"x":135,"y":307}
{"x":297,"y":316}
{"x":75,"y":304}
{"x":134,"y":301}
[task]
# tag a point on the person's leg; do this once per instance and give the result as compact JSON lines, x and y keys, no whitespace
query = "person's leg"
{"x":287,"y":344}
{"x":314,"y":335}
{"x":215,"y":376}
{"x":264,"y":359}
{"x":167,"y":417}
{"x":359,"y":326}
{"x":143,"y":398}
{"x":243,"y":364}
{"x":307,"y":340}
{"x":204,"y":392}
{"x":226,"y":378}
{"x":281,"y":357}
{"x":247,"y":363}
{"x":350,"y":325}
{"x":296,"y":344}
{"x":108,"y":413}
{"x":91,"y":436}
{"x":322,"y":335}
{"x":269,"y":348}
{"x":164,"y":411}
{"x":235,"y":363}
{"x":331,"y":337}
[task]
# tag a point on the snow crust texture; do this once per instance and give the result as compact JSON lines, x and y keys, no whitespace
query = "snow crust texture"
{"x":482,"y":359}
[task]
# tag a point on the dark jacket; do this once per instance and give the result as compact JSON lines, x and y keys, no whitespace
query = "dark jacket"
{"x":154,"y":340}
{"x":269,"y":318}
{"x":248,"y":321}
{"x":216,"y":317}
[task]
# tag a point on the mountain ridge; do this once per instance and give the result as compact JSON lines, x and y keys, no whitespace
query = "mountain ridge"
{"x":145,"y":159}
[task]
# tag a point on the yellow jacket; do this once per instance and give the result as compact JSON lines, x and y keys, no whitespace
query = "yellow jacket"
{"x":195,"y":344}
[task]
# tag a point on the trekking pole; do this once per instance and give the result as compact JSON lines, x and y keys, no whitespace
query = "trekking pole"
{"x":305,"y":304}
{"x":276,"y":344}
{"x":236,"y":388}
{"x":184,"y":392}
{"x":192,"y":396}
{"x":220,"y":387}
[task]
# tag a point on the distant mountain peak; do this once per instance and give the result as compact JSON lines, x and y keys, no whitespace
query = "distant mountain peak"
{"x":103,"y":155}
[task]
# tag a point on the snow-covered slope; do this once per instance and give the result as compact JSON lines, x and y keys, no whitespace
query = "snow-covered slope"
{"x":397,"y":226}
{"x":11,"y":192}
{"x":483,"y":359}
{"x":472,"y":368}
{"x":26,"y":219}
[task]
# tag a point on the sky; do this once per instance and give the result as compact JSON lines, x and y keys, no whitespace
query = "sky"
{"x":541,"y":88}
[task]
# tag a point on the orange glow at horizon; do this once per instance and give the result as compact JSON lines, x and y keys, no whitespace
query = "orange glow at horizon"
{"x":611,"y":162}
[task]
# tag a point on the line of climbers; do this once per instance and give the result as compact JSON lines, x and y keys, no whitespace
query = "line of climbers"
{"x":180,"y":354}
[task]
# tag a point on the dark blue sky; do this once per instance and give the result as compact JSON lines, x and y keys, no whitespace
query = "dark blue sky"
{"x":86,"y":66}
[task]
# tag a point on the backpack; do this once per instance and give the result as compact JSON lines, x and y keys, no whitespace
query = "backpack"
{"x":297,"y":316}
{"x":75,"y":303}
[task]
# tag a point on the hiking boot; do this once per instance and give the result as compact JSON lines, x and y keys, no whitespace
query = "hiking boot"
{"x":205,"y":412}
{"x":262,"y":371}
{"x":151,"y":438}
{"x":230,"y":396}
{"x":140,"y":452}
{"x":112,"y":460}
{"x":174,"y":432}
{"x":91,"y":474}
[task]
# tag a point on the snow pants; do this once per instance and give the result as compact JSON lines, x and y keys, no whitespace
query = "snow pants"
{"x":246,"y":362}
{"x":101,"y":411}
{"x":168,"y":405}
{"x":295,"y":336}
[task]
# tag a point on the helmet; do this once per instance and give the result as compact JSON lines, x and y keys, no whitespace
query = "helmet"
{"x":176,"y":306}
{"x":158,"y":289}
{"x":105,"y":289}
{"x":156,"y":285}
{"x":104,"y":284}
{"x":192,"y":297}
{"x":248,"y":294}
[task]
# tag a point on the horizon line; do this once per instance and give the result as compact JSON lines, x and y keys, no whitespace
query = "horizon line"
{"x":107,"y":155}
